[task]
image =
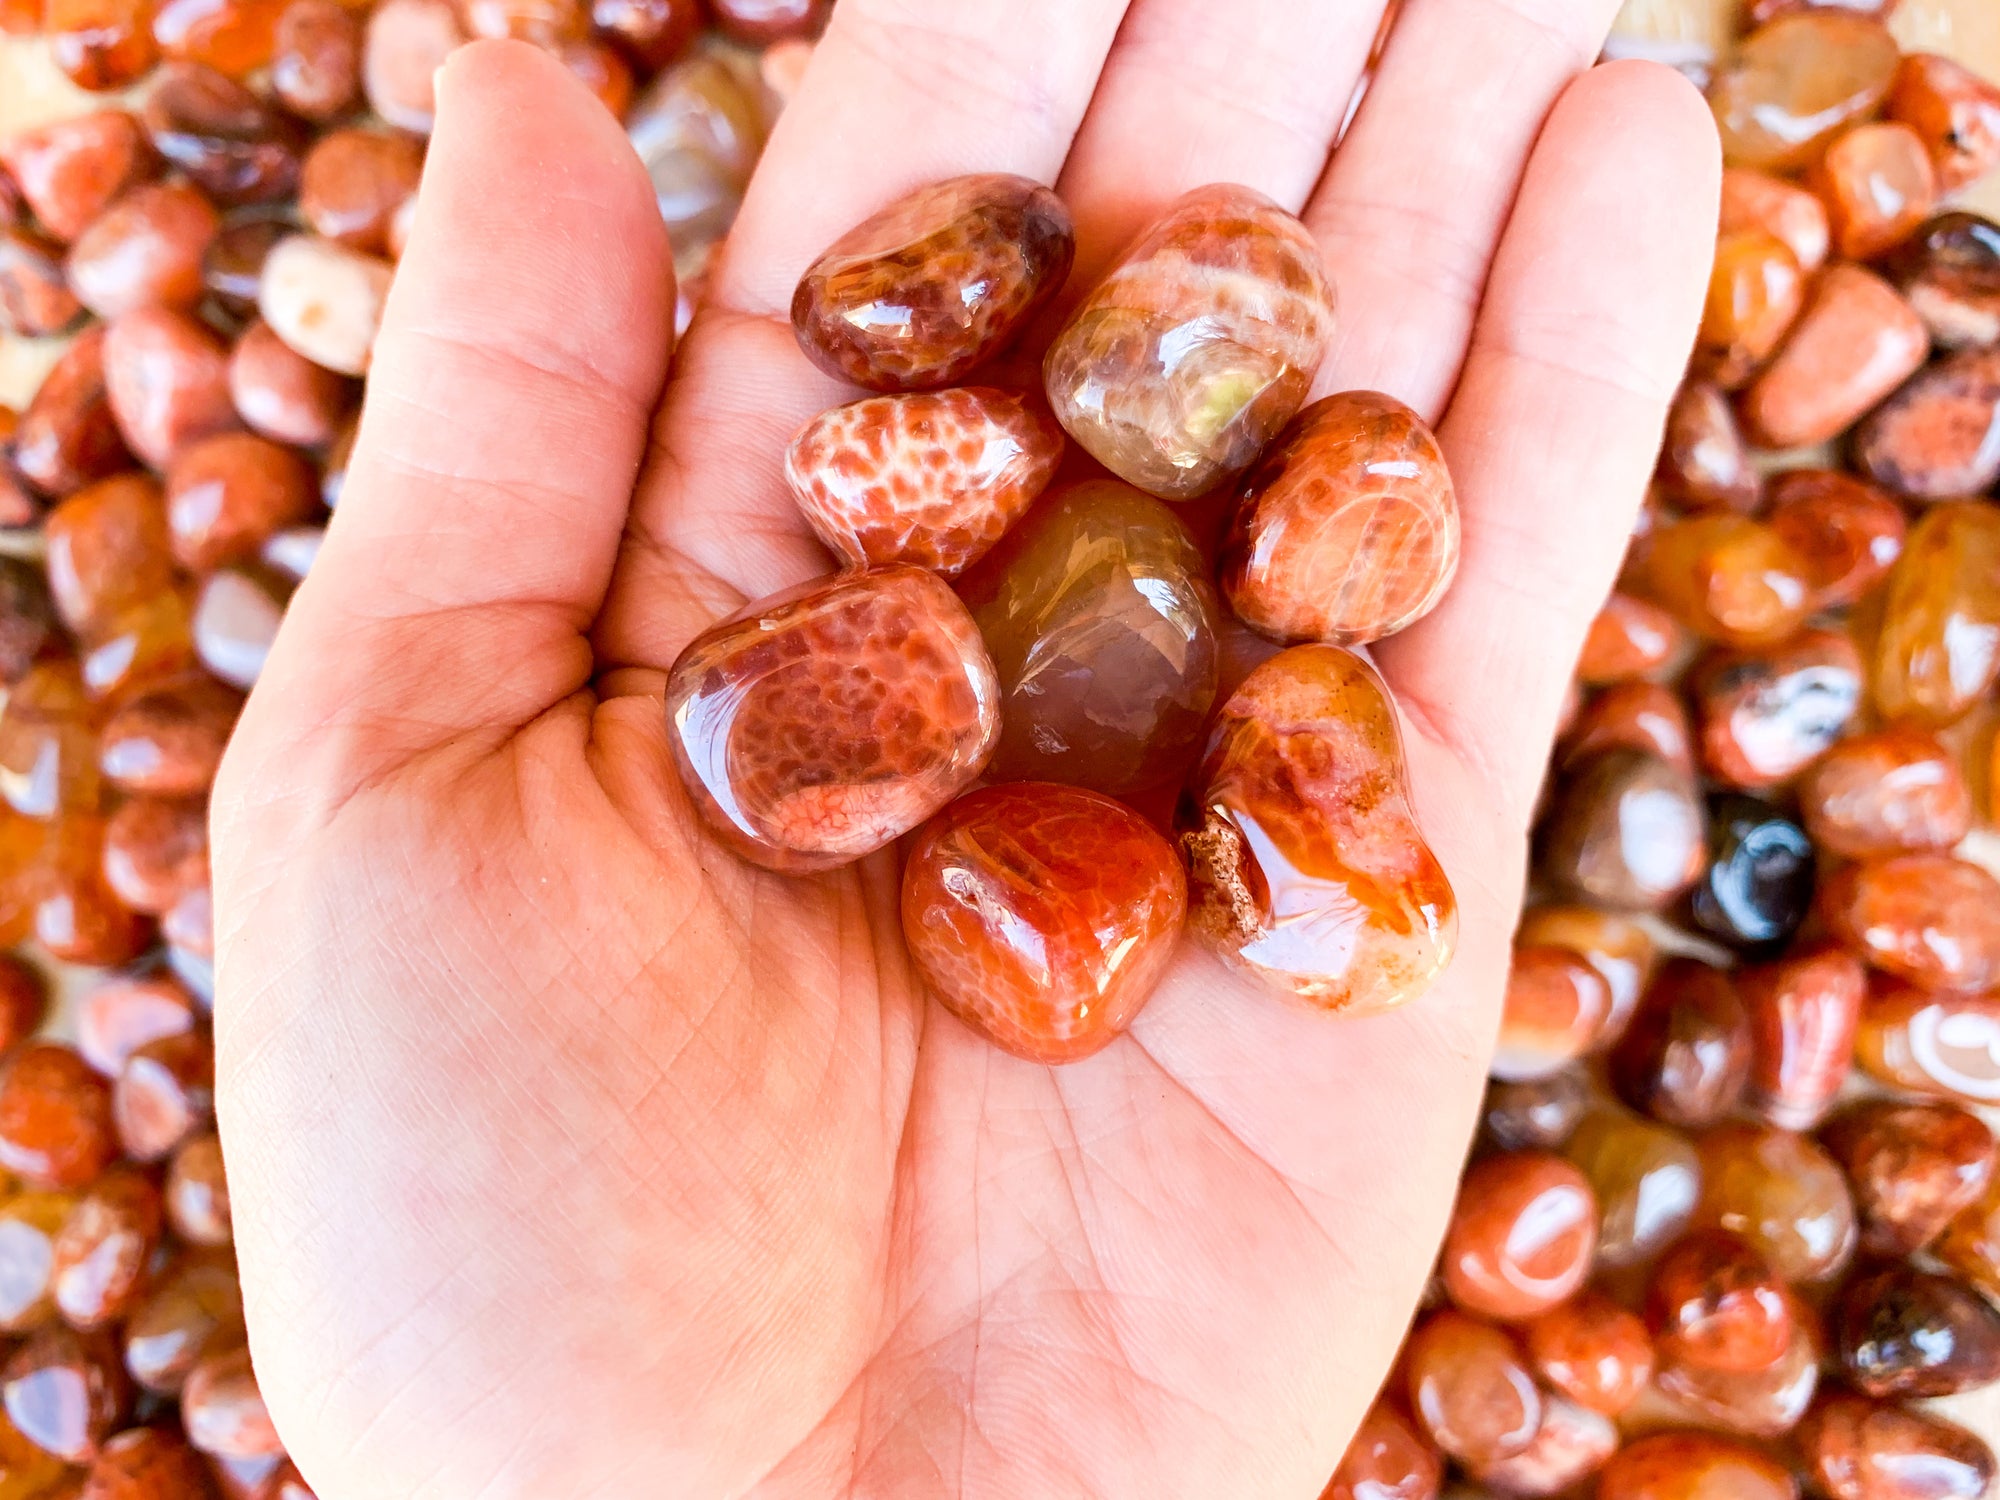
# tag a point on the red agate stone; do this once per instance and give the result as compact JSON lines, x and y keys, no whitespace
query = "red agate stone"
{"x":934,"y":284}
{"x":931,"y":478}
{"x":821,"y":723}
{"x":1307,"y":865}
{"x":1347,"y":530}
{"x":1198,"y":348}
{"x":1042,"y":915}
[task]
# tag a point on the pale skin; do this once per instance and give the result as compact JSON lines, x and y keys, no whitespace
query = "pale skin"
{"x":571,"y":1157}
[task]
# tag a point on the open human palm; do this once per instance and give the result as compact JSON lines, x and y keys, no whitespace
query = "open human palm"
{"x":572,"y":1157}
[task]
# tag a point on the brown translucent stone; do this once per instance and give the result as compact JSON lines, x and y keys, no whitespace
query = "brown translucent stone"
{"x":236,"y":618}
{"x":1629,"y":638}
{"x":1970,"y":1244}
{"x":1306,"y":863}
{"x":1939,"y":435}
{"x":77,"y":918}
{"x":1795,"y":82}
{"x":1704,"y":460}
{"x":1857,"y":1449}
{"x":817,"y":725}
{"x":1856,"y":341}
{"x":928,"y":478}
{"x":1755,"y":292}
{"x":1715,"y":1303}
{"x":1954,"y":112}
{"x":405,"y":44}
{"x":652,"y":32}
{"x":1693,"y":1466}
{"x":1914,"y":1167}
{"x":1927,"y":918}
{"x":352,"y":181}
{"x":1938,"y":651}
{"x":1618,"y":947}
{"x":68,"y":436}
{"x":325,"y":300}
{"x":1571,"y":1444}
{"x":1101,"y":621}
{"x":169,"y":741}
{"x":1647,"y":1179}
{"x":164,"y":1095}
{"x":1557,"y":1007}
{"x":196,"y":1308}
{"x":1758,"y":200}
{"x":223,"y":1411}
{"x":154,"y":850}
{"x":283,"y":395}
{"x":236,"y":37}
{"x":1592,"y":1351}
{"x":226,"y":495}
{"x":35,"y":299}
{"x":27,"y":618}
{"x":24,"y":999}
{"x":1726,"y":578}
{"x":1042,"y":915}
{"x":1767,"y":714}
{"x":1950,"y":273}
{"x":103,"y":1250}
{"x":146,"y":249}
{"x":23,"y":842}
{"x":55,"y":1117}
{"x":69,"y":170}
{"x":1686,"y":1055}
{"x":228,"y":142}
{"x":146,"y":1463}
{"x":1892,"y":791}
{"x":1905,"y":1332}
{"x":1521,"y":1237}
{"x":316,"y":59}
{"x":1347,"y":529}
{"x":1803,"y":1009}
{"x":1470,"y":1388}
{"x":107,"y":550}
{"x":48,"y":743}
{"x":66,"y":1392}
{"x":1765,"y":1402}
{"x":101,"y":44}
{"x":233,"y":269}
{"x":1643,"y":716}
{"x":197,"y":1193}
{"x":1386,"y":1460}
{"x":1848,"y":532}
{"x":1625,"y":829}
{"x":1536,"y":1113}
{"x":29,"y":1224}
{"x":1932,"y":1044}
{"x":167,"y":377}
{"x":1781,"y":1193}
{"x":1199,"y":345}
{"x":936,"y":283}
{"x":698,"y":128}
{"x":1879,"y":185}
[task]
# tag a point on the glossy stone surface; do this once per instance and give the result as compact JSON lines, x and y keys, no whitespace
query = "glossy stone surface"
{"x":1101,"y":623}
{"x":55,"y":1117}
{"x":68,"y":437}
{"x":69,"y":170}
{"x":1522,"y":1236}
{"x":35,"y":299}
{"x":1765,"y":1402}
{"x":1938,"y":651}
{"x":164,"y":1095}
{"x":1781,"y":1193}
{"x":1647,"y":1179}
{"x":761,"y":22}
{"x":236,"y":37}
{"x":234,"y":265}
{"x":1940,"y":435}
{"x":154,"y":850}
{"x":1624,"y":829}
{"x":1644,"y":716}
{"x":930,"y":478}
{"x":820,"y":724}
{"x":1619,"y":948}
{"x":1954,"y":112}
{"x":283,"y":395}
{"x":66,"y":1392}
{"x":1628,"y":639}
{"x":1470,"y":1389}
{"x":324,"y":300}
{"x":1593,"y":1351}
{"x":1856,"y":341}
{"x":1931,"y":1044}
{"x":48,"y":743}
{"x":29,"y":1224}
{"x":101,"y":44}
{"x":1797,"y":81}
{"x":1804,"y":1009}
{"x":76,"y":915}
{"x":1950,"y":273}
{"x":1847,"y":532}
{"x":145,"y":250}
{"x":223,"y":1411}
{"x":1759,"y":200}
{"x":236,"y":618}
{"x":1879,"y":185}
{"x":1713,"y":1302}
{"x":1891,"y":791}
{"x":1386,"y":1460}
{"x":1306,"y":863}
{"x":1905,"y":1332}
{"x":167,"y":377}
{"x":168,"y":742}
{"x":1767,"y":714}
{"x":1758,"y":887}
{"x":1572,"y":1443}
{"x":1727,"y":578}
{"x":1755,"y":292}
{"x":352,"y":182}
{"x":1693,"y":1466}
{"x":1042,"y":915}
{"x":193,"y":1310}
{"x":226,"y":495}
{"x":1536,"y":1114}
{"x":316,"y":59}
{"x":107,"y":550}
{"x":229,"y":143}
{"x":1927,"y":918}
{"x":1913,"y":1167}
{"x":1857,"y":1449}
{"x":146,"y":1463}
{"x":652,"y":32}
{"x":1704,"y":458}
{"x":699,"y":128}
{"x":936,"y":283}
{"x":1686,"y":1056}
{"x":197,"y":1193}
{"x":1199,"y":346}
{"x":1557,"y":1006}
{"x":104,"y":1249}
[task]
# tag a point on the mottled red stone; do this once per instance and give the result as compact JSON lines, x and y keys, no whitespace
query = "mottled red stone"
{"x":1765,"y":715}
{"x":197,"y":1193}
{"x":1758,"y":200}
{"x":167,"y":377}
{"x":27,"y":618}
{"x":1891,"y":791}
{"x":1693,"y":1466}
{"x":1102,"y":624}
{"x":195,"y":1309}
{"x":1629,"y":638}
{"x":1715,"y":1303}
{"x":48,"y":743}
{"x":1619,"y":948}
{"x":101,"y":44}
{"x":146,"y":249}
{"x":1686,"y":1056}
{"x":1795,"y":82}
{"x":1557,"y":1007}
{"x":1857,"y":1449}
{"x":1950,"y":273}
{"x":55,"y":1117}
{"x":933,"y":285}
{"x":66,"y":1392}
{"x":1927,"y":918}
{"x":353,"y":181}
{"x":235,"y":37}
{"x":1780,"y":1192}
{"x":1765,"y":1402}
{"x":1939,"y":435}
{"x":1647,"y":1178}
{"x":35,"y":299}
{"x":820,"y":724}
{"x":107,"y":551}
{"x":1042,"y":915}
{"x":1704,"y":459}
{"x":1856,"y":341}
{"x":1804,"y":1009}
{"x":281,"y":394}
{"x":316,"y":59}
{"x":1347,"y":529}
{"x":1643,"y":716}
{"x":1905,"y":1332}
{"x":104,"y":1249}
{"x":1954,"y":112}
{"x":1386,"y":1460}
{"x":223,"y":1411}
{"x":68,"y":436}
{"x":154,"y":850}
{"x":1931,"y":1044}
{"x":77,"y":918}
{"x":1913,"y":1167}
{"x":1624,"y":829}
{"x":227,"y":495}
{"x":168,"y":742}
{"x":1307,"y":865}
{"x":1847,"y":532}
{"x":1937,"y":652}
{"x":1521,"y":1236}
{"x":1572,"y":1443}
{"x":1593,"y":1351}
{"x":1879,"y":185}
{"x":1198,"y":347}
{"x":1470,"y":1388}
{"x":146,"y":1463}
{"x":1726,"y":577}
{"x":68,"y":171}
{"x":928,"y":478}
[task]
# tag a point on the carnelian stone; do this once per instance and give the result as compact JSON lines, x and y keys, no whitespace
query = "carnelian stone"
{"x":1856,"y":341}
{"x":935,"y":284}
{"x":1879,"y":185}
{"x":1905,"y":1332}
{"x":101,"y":44}
{"x":1593,"y":1351}
{"x":1471,"y":1389}
{"x":108,"y":550}
{"x":230,"y":143}
{"x":29,"y":1225}
{"x":164,"y":1095}
{"x":24,"y":999}
{"x":68,"y":437}
{"x":77,"y":918}
{"x":154,"y":850}
{"x":1629,"y":638}
{"x":1758,"y":200}
{"x":1795,"y":82}
{"x":1557,"y":1006}
{"x":105,"y":1247}
{"x":1537,"y":1114}
{"x":1780,"y":1192}
{"x":760,"y":23}
{"x":1954,"y":112}
{"x":1939,"y":436}
{"x":1765,"y":1402}
{"x":1938,"y":652}
{"x":1347,"y":529}
{"x":1714,"y":1302}
{"x":1521,"y":1237}
{"x":48,"y":743}
{"x":66,"y":1392}
{"x":1857,"y":1449}
{"x":35,"y":299}
{"x":146,"y":249}
{"x":1927,"y":918}
{"x":352,"y":182}
{"x":55,"y":1117}
{"x":197,"y":1193}
{"x":1686,"y":1056}
{"x":224,"y":1412}
{"x":1042,"y":915}
{"x":1647,"y":1179}
{"x":1804,"y":1009}
{"x":167,"y":377}
{"x":1726,"y":578}
{"x":1572,"y":1443}
{"x":1619,"y":948}
{"x":227,"y":495}
{"x":822,"y":723}
{"x":168,"y":742}
{"x":283,"y":395}
{"x":1693,"y":1466}
{"x":1625,"y":829}
{"x":195,"y":1308}
{"x":652,"y":32}
{"x":146,"y":1463}
{"x":69,"y":170}
{"x":1892,"y":791}
{"x":235,"y":37}
{"x":1932,"y":1044}
{"x":1768,"y":714}
{"x":1307,"y":865}
{"x":1755,"y":292}
{"x":1848,"y":532}
{"x":1950,"y":273}
{"x":1914,"y":1168}
{"x":1386,"y":1460}
{"x":1102,"y":624}
{"x":1198,"y":347}
{"x":1704,"y":459}
{"x":316,"y":59}
{"x":930,"y":478}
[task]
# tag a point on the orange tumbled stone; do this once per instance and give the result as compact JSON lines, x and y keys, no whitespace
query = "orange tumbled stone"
{"x":101,"y":44}
{"x":1572,"y":1443}
{"x":1471,"y":1388}
{"x":1714,"y":1302}
{"x":236,"y":37}
{"x":1893,"y":791}
{"x":1765,"y":1402}
{"x":1755,"y":292}
{"x":1927,"y":918}
{"x":1856,"y":341}
{"x":1954,"y":111}
{"x":1879,"y":185}
{"x":1795,"y":82}
{"x":1767,"y":714}
{"x":69,"y":170}
{"x":1848,"y":532}
{"x":1386,"y":1460}
{"x":1042,"y":915}
{"x":1758,"y":200}
{"x":1629,"y":638}
{"x":1594,"y":1351}
{"x":352,"y":182}
{"x":1857,"y":1449}
{"x":1938,"y":651}
{"x":1347,"y":529}
{"x":1931,"y":1044}
{"x":1705,"y":461}
{"x":55,"y":1117}
{"x":1939,"y":436}
{"x":1726,"y":578}
{"x":1914,"y":1167}
{"x":1780,"y":1192}
{"x":1647,"y":1179}
{"x":1306,"y":863}
{"x":1685,"y":1057}
{"x":1643,"y":716}
{"x":1803,"y":1010}
{"x":1521,"y":1237}
{"x":1557,"y":1007}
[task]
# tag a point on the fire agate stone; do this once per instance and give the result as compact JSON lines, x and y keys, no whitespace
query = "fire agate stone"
{"x":1347,"y":531}
{"x":935,"y":283}
{"x":932,"y":478}
{"x":1199,"y":347}
{"x":1042,"y":915}
{"x":1308,"y":867}
{"x":1101,"y":620}
{"x":820,"y":724}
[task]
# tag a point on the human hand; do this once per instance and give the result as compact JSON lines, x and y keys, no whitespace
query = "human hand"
{"x":570,"y":1156}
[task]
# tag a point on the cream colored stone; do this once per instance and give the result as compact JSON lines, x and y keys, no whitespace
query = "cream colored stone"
{"x":324,"y":300}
